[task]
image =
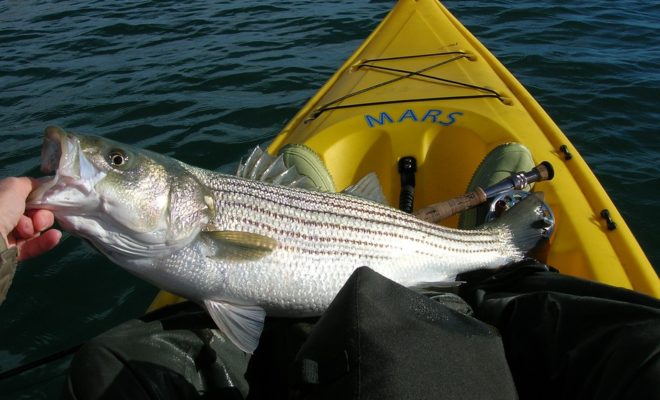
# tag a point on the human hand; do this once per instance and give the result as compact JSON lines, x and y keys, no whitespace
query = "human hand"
{"x":27,"y":231}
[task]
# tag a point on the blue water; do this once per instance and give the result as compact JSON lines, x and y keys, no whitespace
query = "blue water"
{"x":206,"y":81}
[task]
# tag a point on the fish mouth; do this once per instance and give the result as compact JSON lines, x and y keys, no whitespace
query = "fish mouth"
{"x":60,"y":153}
{"x":61,"y":156}
{"x":51,"y":149}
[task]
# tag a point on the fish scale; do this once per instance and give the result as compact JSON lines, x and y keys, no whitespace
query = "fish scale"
{"x":318,"y":229}
{"x":334,"y":220}
{"x":246,"y":248}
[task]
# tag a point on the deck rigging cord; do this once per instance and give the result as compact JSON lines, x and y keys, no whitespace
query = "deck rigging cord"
{"x":370,"y":63}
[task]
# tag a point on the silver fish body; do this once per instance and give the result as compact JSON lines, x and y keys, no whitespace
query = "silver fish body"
{"x":322,"y":238}
{"x":247,"y":248}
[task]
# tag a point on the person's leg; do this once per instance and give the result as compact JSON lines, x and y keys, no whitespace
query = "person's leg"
{"x":172,"y":353}
{"x":380,"y":340}
{"x":570,"y":338}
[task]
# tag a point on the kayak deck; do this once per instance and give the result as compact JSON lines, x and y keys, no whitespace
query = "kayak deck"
{"x":422,"y":85}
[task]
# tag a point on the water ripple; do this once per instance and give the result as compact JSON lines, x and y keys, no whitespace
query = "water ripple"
{"x":205,"y":81}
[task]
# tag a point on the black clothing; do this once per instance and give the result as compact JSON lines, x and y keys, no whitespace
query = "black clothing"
{"x":562,"y":337}
{"x":570,"y":338}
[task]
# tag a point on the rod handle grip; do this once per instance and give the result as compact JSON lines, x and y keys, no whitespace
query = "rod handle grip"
{"x":439,"y":211}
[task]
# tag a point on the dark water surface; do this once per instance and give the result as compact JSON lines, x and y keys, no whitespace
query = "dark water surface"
{"x":205,"y":81}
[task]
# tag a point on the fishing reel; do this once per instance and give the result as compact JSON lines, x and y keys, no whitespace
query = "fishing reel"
{"x":504,"y":201}
{"x":498,"y":197}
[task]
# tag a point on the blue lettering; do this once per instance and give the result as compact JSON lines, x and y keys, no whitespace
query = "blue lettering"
{"x":433,"y":114}
{"x":380,"y":121}
{"x":408,"y":114}
{"x":450,"y":118}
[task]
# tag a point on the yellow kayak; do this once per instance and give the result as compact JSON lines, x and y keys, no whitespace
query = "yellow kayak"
{"x":422,"y":85}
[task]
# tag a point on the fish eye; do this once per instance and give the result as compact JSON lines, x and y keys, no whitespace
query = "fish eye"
{"x":117,"y":158}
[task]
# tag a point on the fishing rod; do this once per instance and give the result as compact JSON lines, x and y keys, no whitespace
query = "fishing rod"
{"x":37,"y":363}
{"x":445,"y":209}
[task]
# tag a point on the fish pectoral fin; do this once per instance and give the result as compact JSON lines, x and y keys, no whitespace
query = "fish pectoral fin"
{"x":368,"y":188}
{"x":242,"y":324}
{"x":242,"y":245}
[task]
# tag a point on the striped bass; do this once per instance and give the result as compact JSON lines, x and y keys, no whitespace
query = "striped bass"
{"x":245,"y":248}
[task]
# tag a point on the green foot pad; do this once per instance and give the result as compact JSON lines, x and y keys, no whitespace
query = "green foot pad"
{"x":308,"y":163}
{"x":500,"y":163}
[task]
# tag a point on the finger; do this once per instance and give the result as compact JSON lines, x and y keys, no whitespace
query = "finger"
{"x":24,"y":228}
{"x":38,"y":245}
{"x":41,"y":219}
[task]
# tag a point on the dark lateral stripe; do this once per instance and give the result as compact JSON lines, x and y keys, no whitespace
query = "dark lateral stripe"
{"x":336,"y":232}
{"x":312,"y":240}
{"x":338,"y":206}
{"x":339,"y":231}
{"x":473,"y":238}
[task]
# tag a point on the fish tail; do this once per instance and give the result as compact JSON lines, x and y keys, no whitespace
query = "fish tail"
{"x":526,"y":221}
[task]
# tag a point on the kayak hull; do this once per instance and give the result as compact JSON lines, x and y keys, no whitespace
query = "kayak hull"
{"x":422,"y":85}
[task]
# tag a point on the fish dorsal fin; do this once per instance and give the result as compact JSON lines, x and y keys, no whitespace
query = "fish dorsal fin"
{"x":242,"y":324}
{"x":368,"y":188}
{"x":246,"y":164}
{"x":261,"y":166}
{"x":242,"y":245}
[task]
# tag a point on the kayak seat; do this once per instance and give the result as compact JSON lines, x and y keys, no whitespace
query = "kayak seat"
{"x":499,"y":163}
{"x":308,"y":163}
